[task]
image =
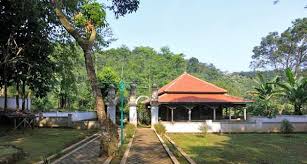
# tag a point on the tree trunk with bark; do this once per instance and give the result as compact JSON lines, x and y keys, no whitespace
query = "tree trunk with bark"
{"x":93,"y":80}
{"x":86,"y":45}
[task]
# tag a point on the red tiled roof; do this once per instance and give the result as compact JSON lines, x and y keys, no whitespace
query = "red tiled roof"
{"x":200,"y":98}
{"x":187,"y":83}
{"x":187,"y":88}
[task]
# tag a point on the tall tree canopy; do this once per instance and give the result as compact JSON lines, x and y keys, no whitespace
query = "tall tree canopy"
{"x":25,"y":46}
{"x":285,"y":50}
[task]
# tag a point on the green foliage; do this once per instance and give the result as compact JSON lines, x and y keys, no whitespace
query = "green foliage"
{"x":262,"y":108}
{"x":286,"y":127}
{"x":264,"y":92}
{"x":41,"y":104}
{"x":91,"y":11}
{"x":160,"y":128}
{"x":286,"y":50}
{"x":295,"y":90}
{"x":106,"y":77}
{"x":129,"y":130}
{"x":143,"y":114}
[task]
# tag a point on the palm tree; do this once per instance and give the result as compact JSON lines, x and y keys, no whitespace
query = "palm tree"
{"x":295,"y":90}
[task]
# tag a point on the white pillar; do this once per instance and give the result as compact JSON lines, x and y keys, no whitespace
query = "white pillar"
{"x":154,"y":115}
{"x":214,"y":113}
{"x":133,"y":115}
{"x":244,"y":113}
{"x":229,"y":113}
{"x":172,"y":112}
{"x":111,"y":112}
{"x":190,"y":112}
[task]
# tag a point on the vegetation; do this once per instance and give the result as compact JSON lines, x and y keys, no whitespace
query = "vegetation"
{"x":43,"y":142}
{"x":286,"y":127}
{"x":243,"y":148}
{"x":204,"y":129}
{"x":295,"y":90}
{"x":287,"y":50}
{"x":129,"y":130}
{"x":160,"y":128}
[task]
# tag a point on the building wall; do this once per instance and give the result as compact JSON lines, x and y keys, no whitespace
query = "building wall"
{"x":11,"y":103}
{"x":252,"y":125}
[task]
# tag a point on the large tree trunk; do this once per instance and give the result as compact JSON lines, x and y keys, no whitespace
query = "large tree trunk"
{"x":100,"y":108}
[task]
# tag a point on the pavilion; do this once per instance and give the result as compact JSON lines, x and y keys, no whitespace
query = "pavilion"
{"x":190,"y":99}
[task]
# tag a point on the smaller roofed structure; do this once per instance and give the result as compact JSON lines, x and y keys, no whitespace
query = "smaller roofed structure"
{"x":188,"y":98}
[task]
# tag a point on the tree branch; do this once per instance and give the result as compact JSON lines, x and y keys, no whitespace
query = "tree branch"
{"x":67,"y":25}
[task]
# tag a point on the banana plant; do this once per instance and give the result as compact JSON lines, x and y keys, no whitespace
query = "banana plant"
{"x":295,"y":90}
{"x":265,"y":90}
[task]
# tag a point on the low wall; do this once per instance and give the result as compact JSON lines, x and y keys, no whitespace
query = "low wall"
{"x":254,"y":124}
{"x":76,"y":116}
{"x":79,"y":120}
{"x":11,"y":103}
{"x":65,"y":122}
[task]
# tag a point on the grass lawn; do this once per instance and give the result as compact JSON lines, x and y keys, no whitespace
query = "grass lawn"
{"x":244,"y":148}
{"x":43,"y":141}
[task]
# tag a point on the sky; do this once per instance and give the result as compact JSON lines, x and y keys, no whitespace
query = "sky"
{"x":221,"y":32}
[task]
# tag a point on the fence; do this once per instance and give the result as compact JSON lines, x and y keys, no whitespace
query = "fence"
{"x":253,"y":124}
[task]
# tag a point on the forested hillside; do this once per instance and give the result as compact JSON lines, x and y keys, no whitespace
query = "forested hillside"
{"x":143,"y":65}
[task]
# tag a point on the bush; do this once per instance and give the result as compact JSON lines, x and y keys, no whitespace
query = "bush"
{"x":286,"y":127}
{"x":204,"y":129}
{"x":143,"y":114}
{"x":129,"y":130}
{"x":160,"y":128}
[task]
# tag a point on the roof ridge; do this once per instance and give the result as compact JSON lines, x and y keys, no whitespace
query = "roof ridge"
{"x":207,"y":82}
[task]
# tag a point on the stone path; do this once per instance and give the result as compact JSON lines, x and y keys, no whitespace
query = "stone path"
{"x":146,"y":148}
{"x":85,"y":154}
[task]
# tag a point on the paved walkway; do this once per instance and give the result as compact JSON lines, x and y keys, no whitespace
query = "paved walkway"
{"x":146,"y":148}
{"x":85,"y":154}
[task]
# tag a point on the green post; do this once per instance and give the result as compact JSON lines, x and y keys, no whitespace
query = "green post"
{"x":121,"y":89}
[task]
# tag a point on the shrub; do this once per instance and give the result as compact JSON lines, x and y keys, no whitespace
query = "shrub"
{"x":143,"y":114}
{"x":204,"y":129}
{"x":129,"y":130}
{"x":286,"y":127}
{"x":160,"y":128}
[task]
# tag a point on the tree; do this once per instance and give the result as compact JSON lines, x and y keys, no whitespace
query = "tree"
{"x":106,"y":77}
{"x":295,"y":90}
{"x":287,"y":50}
{"x":264,"y":92}
{"x":82,"y":19}
{"x":25,"y":46}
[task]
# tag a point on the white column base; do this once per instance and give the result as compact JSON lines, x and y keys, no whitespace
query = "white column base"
{"x":154,"y":115}
{"x":133,"y":117}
